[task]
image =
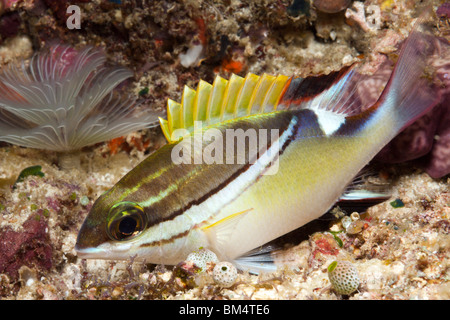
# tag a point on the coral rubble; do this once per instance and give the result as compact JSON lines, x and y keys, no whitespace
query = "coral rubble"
{"x":399,"y":252}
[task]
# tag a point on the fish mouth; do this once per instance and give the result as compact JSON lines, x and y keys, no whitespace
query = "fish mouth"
{"x":104,"y":251}
{"x":90,"y":253}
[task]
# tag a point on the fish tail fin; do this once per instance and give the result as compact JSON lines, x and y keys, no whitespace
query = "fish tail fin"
{"x":410,"y":91}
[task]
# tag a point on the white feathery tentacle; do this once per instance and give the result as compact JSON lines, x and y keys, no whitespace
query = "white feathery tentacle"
{"x":63,"y":100}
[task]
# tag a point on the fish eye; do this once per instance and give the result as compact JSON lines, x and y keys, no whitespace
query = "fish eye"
{"x":126,"y":220}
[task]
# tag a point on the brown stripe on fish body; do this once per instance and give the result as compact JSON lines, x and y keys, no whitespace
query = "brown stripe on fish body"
{"x":164,"y":241}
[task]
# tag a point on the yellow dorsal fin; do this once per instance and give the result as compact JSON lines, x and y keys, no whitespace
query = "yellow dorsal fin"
{"x":173,"y":115}
{"x":234,"y":86}
{"x":187,"y":109}
{"x":214,"y":107}
{"x":201,"y":100}
{"x":243,"y":103}
{"x":258,"y":95}
{"x":223,"y":100}
{"x":273,"y":95}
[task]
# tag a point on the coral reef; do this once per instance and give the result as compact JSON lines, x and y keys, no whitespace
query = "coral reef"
{"x":399,"y":252}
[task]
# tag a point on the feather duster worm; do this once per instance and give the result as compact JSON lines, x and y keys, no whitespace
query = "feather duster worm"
{"x":63,"y":100}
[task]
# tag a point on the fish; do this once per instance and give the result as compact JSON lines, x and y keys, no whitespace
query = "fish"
{"x":203,"y":190}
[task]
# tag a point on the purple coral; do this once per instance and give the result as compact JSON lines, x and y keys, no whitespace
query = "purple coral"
{"x":438,"y":160}
{"x":63,"y":100}
{"x":30,"y":247}
{"x":428,"y":139}
{"x":444,"y":10}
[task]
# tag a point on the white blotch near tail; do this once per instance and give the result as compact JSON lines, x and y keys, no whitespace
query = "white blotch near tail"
{"x":329,"y":121}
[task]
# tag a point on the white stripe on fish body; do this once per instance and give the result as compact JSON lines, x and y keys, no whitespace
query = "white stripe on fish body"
{"x":328,"y":121}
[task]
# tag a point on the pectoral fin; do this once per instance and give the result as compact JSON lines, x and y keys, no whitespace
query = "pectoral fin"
{"x":220,"y":231}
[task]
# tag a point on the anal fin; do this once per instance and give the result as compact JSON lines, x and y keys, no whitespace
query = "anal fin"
{"x":362,"y":193}
{"x":258,"y":260}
